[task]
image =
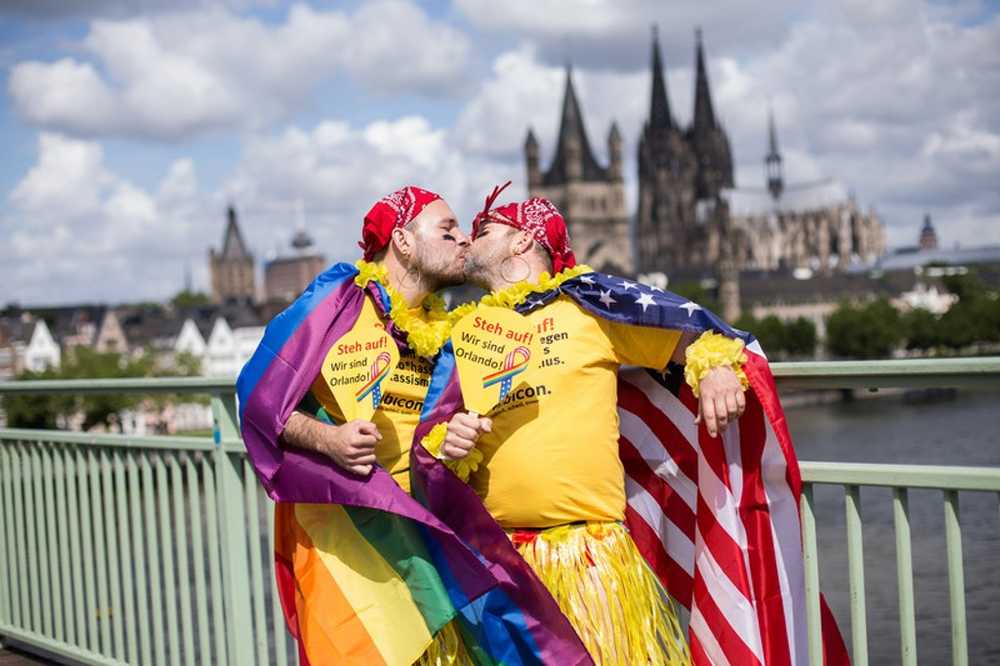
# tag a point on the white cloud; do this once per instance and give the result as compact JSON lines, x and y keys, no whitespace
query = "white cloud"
{"x":610,"y":34}
{"x":176,"y":75}
{"x":73,"y":222}
{"x":76,"y":231}
{"x":338,"y":172}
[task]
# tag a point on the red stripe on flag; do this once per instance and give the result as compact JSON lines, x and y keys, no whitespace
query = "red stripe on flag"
{"x":733,"y":646}
{"x":698,"y":656}
{"x":726,"y":552}
{"x":670,"y":502}
{"x":756,"y":516}
{"x":763,"y":386}
{"x":682,"y":451}
{"x":713,"y":450}
{"x":674,"y":579}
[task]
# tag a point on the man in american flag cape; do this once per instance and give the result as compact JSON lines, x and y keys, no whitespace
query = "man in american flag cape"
{"x":616,"y":484}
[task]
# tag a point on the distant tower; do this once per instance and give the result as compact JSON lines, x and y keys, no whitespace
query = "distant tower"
{"x":232,"y":268}
{"x":285,"y":277}
{"x":301,"y":241}
{"x":928,"y":237}
{"x":729,"y":288}
{"x":772,"y":161}
{"x":615,"y":153}
{"x":667,"y":173}
{"x":531,"y":158}
{"x":708,"y":138}
{"x":590,"y":196}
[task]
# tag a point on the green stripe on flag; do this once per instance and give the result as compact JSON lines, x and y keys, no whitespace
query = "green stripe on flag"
{"x":400,"y":543}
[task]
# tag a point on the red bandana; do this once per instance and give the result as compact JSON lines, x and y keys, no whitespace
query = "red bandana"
{"x":537,"y":216}
{"x":395,"y":210}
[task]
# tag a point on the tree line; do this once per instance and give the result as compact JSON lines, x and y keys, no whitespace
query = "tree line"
{"x":49,"y":411}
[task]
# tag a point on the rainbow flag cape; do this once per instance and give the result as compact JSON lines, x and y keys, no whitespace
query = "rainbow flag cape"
{"x":372,"y":575}
{"x":716,"y":518}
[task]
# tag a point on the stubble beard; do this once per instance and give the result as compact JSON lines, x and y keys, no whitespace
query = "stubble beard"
{"x":481,"y":270}
{"x":438,"y":271}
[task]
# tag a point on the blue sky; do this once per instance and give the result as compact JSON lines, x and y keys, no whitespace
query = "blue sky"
{"x":127,"y":134}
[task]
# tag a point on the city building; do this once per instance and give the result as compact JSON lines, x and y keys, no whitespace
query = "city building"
{"x":232,"y":267}
{"x":286,"y":277}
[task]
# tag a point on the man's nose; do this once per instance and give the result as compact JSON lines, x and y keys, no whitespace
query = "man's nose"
{"x":462,"y":240}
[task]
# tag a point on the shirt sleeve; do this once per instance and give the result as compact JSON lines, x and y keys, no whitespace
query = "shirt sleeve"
{"x":644,"y":346}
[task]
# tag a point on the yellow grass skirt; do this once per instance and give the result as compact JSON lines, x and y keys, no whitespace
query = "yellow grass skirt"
{"x":604,"y":587}
{"x":608,"y":592}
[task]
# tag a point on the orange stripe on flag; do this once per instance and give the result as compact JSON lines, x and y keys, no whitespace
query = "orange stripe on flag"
{"x":330,"y":631}
{"x":373,"y":591}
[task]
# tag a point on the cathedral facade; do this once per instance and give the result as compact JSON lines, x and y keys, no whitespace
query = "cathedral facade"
{"x":691,"y":218}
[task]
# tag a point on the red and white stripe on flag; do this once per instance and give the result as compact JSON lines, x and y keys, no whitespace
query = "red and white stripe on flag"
{"x":718,"y":520}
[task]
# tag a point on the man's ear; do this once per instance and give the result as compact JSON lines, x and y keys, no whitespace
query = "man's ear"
{"x":521,"y":242}
{"x":402,"y":240}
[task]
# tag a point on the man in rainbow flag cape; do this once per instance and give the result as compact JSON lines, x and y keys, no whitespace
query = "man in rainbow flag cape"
{"x":619,"y":487}
{"x":366,"y":574}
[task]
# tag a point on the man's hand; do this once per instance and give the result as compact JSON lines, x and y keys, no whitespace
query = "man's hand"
{"x":351,"y":446}
{"x":722,"y":400}
{"x":464,"y":431}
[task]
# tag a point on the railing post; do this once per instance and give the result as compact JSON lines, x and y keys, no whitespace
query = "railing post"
{"x":233,"y":534}
{"x":956,"y":579}
{"x":904,"y":576}
{"x":856,"y":573}
{"x":811,"y":564}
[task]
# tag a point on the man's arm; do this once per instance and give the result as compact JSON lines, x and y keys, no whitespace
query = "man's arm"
{"x":721,"y":400}
{"x":351,"y":445}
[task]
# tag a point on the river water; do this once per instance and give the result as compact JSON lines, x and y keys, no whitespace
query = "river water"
{"x":959,"y":431}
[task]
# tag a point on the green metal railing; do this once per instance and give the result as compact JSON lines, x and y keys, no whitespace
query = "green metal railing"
{"x":117,"y":549}
{"x":873,"y":375}
{"x":157,"y":550}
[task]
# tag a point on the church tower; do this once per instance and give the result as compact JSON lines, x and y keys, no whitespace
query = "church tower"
{"x":667,"y":173}
{"x":772,"y":161}
{"x":590,"y":197}
{"x":232,"y":268}
{"x":928,"y":237}
{"x":708,"y":139}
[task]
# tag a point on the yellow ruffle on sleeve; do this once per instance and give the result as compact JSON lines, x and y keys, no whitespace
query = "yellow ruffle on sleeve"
{"x":434,"y":440}
{"x":713,"y":350}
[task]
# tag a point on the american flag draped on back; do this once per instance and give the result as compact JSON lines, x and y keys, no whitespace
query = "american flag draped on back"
{"x":716,"y":518}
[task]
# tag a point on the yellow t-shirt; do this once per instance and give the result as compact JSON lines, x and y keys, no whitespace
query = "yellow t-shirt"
{"x":396,"y":418}
{"x":552,"y":457}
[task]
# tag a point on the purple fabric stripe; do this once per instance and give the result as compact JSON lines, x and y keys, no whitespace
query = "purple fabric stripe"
{"x":295,"y":475}
{"x":455,"y":503}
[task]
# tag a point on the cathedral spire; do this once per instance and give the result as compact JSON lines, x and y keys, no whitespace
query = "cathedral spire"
{"x":704,"y":114}
{"x":659,"y":105}
{"x":772,"y":161}
{"x":574,"y":159}
{"x":233,"y":246}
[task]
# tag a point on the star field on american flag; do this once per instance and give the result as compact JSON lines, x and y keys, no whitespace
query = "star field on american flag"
{"x":620,"y":299}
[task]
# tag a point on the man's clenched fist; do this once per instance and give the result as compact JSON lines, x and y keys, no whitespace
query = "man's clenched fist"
{"x":352,"y":446}
{"x":464,"y":431}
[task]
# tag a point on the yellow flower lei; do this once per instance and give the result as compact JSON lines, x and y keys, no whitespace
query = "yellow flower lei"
{"x":516,"y":294}
{"x":433,"y":442}
{"x":710,"y":351}
{"x":427,"y":326}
